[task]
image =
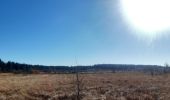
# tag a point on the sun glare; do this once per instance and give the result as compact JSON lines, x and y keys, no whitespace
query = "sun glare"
{"x":149,"y":17}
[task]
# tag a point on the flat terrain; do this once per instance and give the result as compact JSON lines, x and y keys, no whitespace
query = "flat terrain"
{"x":99,"y":86}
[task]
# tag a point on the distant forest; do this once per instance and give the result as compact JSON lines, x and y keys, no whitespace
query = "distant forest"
{"x":13,"y":67}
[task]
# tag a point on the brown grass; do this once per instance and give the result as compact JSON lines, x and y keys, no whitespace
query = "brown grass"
{"x":99,"y":86}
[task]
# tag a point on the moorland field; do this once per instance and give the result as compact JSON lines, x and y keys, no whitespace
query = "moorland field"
{"x":93,"y":86}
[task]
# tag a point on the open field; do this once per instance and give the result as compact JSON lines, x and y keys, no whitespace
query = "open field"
{"x":99,"y":86}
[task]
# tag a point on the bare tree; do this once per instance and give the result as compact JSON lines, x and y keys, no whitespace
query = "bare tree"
{"x":77,"y":81}
{"x":77,"y":84}
{"x":166,"y":68}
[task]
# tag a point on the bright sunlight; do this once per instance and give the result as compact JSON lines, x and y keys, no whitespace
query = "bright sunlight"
{"x":149,"y":17}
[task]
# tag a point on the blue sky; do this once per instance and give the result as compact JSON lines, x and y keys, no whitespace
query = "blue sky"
{"x":54,"y":32}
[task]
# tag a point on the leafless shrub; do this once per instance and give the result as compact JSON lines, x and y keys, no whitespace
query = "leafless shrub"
{"x":78,"y":85}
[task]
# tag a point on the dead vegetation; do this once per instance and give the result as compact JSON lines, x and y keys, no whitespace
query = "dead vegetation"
{"x":98,"y":86}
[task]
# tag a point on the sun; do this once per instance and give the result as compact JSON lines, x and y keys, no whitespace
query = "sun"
{"x":149,"y":17}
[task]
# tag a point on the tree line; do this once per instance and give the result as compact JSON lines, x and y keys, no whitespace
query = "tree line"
{"x":13,"y":67}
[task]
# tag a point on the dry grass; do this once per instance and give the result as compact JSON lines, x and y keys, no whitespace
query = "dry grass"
{"x":99,"y":86}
